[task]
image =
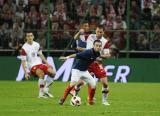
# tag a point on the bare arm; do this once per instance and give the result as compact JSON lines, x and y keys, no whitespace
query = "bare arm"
{"x":43,"y":58}
{"x":67,"y":57}
{"x":76,"y":36}
{"x":25,"y":69}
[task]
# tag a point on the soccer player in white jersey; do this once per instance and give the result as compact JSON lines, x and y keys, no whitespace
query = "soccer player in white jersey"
{"x":97,"y":67}
{"x":32,"y":57}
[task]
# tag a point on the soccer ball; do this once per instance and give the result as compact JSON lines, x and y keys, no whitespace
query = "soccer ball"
{"x":75,"y":101}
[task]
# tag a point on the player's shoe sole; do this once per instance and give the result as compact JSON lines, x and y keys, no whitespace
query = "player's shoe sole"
{"x":48,"y":94}
{"x":42,"y":96}
{"x":106,"y":103}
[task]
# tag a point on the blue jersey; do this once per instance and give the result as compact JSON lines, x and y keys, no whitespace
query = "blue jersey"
{"x":85,"y":59}
{"x":81,"y":42}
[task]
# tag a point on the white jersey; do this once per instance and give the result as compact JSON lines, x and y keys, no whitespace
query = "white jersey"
{"x":105,"y":43}
{"x":30,"y":54}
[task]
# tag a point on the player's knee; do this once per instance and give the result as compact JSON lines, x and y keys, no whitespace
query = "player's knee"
{"x":72,"y":84}
{"x":105,"y":85}
{"x":105,"y":90}
{"x":51,"y":72}
{"x":52,"y":75}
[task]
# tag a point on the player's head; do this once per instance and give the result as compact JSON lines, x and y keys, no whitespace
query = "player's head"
{"x":99,"y":31}
{"x":85,"y":26}
{"x":29,"y":36}
{"x":97,"y":45}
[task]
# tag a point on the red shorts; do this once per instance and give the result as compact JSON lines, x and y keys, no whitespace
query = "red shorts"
{"x":39,"y":66}
{"x":98,"y":69}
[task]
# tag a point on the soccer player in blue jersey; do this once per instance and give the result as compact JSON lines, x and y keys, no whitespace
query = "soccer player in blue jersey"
{"x":81,"y":36}
{"x":80,"y":71}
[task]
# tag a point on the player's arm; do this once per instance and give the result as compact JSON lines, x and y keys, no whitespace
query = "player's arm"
{"x":77,"y":55}
{"x":24,"y":64}
{"x":77,"y":35}
{"x":105,"y":55}
{"x":67,"y":57}
{"x":43,"y":58}
{"x":90,"y":41}
{"x":106,"y":52}
{"x":80,"y":49}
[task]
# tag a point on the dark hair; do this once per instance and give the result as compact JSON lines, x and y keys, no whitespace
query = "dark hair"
{"x":28,"y":31}
{"x":83,"y":22}
{"x":98,"y":41}
{"x":100,"y":27}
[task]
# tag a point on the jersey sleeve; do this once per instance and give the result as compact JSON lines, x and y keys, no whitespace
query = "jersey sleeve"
{"x":83,"y":54}
{"x":106,"y":48}
{"x":23,"y":54}
{"x":89,"y":42}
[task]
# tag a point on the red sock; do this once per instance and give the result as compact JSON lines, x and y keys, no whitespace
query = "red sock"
{"x":68,"y":89}
{"x":89,"y":90}
{"x":91,"y":95}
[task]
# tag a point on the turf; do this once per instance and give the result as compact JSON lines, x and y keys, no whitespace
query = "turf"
{"x":131,"y":99}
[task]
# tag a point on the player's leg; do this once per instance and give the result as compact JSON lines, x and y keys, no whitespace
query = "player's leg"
{"x":40,"y":74}
{"x":100,"y":73}
{"x":49,"y":81}
{"x":105,"y":90}
{"x":74,"y":79}
{"x":76,"y":89}
{"x":92,"y":83}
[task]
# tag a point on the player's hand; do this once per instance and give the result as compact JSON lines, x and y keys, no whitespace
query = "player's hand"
{"x":63,"y":58}
{"x":27,"y":76}
{"x":81,"y":31}
{"x":105,"y":55}
{"x":99,"y":59}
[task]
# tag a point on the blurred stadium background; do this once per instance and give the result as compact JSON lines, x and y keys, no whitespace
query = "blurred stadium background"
{"x":133,"y":27}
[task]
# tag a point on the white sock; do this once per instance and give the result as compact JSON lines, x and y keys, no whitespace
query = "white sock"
{"x":41,"y":86}
{"x":104,"y":94}
{"x":49,"y":82}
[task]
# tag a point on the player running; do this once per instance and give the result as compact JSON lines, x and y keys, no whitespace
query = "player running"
{"x":32,"y":58}
{"x":80,"y":71}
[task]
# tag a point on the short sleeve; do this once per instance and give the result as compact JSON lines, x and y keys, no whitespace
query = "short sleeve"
{"x":90,"y":41}
{"x":23,"y":54}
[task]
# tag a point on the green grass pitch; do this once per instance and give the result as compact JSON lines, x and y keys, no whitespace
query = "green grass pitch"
{"x":131,"y":99}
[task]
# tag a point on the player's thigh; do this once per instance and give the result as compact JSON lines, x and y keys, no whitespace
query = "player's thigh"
{"x":50,"y":71}
{"x":40,"y":73}
{"x":89,"y":79}
{"x":104,"y":80}
{"x":75,"y":75}
{"x":98,"y":70}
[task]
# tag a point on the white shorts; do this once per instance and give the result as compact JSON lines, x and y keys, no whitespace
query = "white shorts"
{"x":83,"y":75}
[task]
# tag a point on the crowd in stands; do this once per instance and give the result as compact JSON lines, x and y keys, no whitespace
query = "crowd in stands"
{"x":61,"y":18}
